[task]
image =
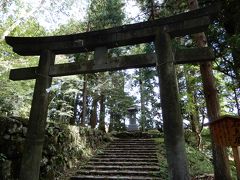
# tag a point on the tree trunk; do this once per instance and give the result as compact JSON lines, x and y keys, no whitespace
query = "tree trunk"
{"x":236,"y":155}
{"x":111,"y":123}
{"x":84,"y":108}
{"x":102,"y":114}
{"x":220,"y":158}
{"x":237,"y":101}
{"x":93,"y":115}
{"x":236,"y":60}
{"x":142,"y":99}
{"x":84,"y":90}
{"x":76,"y":113}
{"x":152,"y":10}
{"x":193,"y":109}
{"x":172,"y":121}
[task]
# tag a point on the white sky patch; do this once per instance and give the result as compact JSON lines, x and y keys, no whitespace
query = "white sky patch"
{"x":24,"y":14}
{"x":132,"y":9}
{"x":77,"y":11}
{"x":52,"y":19}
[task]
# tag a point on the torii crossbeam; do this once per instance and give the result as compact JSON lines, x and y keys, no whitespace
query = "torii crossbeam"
{"x":158,"y":31}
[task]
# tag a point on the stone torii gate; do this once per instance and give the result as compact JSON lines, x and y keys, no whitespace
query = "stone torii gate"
{"x":158,"y":31}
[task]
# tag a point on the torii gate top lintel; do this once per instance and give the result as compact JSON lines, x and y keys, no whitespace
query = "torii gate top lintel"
{"x":178,"y":25}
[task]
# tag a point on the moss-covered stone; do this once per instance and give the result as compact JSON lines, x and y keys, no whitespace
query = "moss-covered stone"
{"x":64,"y":147}
{"x":135,"y":134}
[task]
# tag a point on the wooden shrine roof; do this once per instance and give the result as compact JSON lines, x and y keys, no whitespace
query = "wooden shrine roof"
{"x":223,"y":119}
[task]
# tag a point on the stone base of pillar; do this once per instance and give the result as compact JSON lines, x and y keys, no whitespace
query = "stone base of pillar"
{"x":132,"y":127}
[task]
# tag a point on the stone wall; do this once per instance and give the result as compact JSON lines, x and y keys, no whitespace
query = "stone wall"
{"x":64,"y":146}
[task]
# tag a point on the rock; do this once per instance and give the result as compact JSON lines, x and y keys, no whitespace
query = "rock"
{"x":6,"y":137}
{"x":5,"y":170}
{"x":20,"y":139}
{"x":14,"y":127}
{"x":24,"y":131}
{"x":19,"y":129}
{"x":17,"y":138}
{"x":63,"y":145}
{"x":3,"y":127}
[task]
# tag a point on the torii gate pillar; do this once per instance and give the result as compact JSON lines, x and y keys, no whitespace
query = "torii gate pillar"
{"x":32,"y":154}
{"x":172,"y":121}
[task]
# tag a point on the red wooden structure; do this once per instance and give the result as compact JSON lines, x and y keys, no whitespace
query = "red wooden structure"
{"x":226,"y":132}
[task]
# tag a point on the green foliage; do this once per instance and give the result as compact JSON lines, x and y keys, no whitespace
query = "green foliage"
{"x":199,"y":163}
{"x":153,"y":133}
{"x":161,"y":154}
{"x":105,"y":14}
{"x":59,"y":148}
{"x":118,"y":102}
{"x":15,"y":97}
{"x":72,"y":27}
{"x":68,"y":146}
{"x":234,"y":41}
{"x":118,"y":99}
{"x":63,"y":93}
{"x":2,"y":157}
{"x":223,"y":36}
{"x":146,"y":81}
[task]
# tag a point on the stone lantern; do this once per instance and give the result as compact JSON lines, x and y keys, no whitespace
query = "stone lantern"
{"x":132,"y":118}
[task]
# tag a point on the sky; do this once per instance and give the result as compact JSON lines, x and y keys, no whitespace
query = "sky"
{"x":52,"y":20}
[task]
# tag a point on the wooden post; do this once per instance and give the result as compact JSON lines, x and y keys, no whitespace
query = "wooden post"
{"x":172,"y":121}
{"x":236,"y":155}
{"x":100,"y":56}
{"x":84,"y":109}
{"x":32,"y":155}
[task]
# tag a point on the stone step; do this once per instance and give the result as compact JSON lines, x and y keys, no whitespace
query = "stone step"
{"x":131,"y":148}
{"x":117,"y":177}
{"x":119,"y":172}
{"x":132,"y":144}
{"x":123,"y":159}
{"x":130,"y":151}
{"x":134,"y":159}
{"x":110,"y":168}
{"x":122,"y":163}
{"x":127,"y":155}
{"x":135,"y":142}
{"x":134,"y":139}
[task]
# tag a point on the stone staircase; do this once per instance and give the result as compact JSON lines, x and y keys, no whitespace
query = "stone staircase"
{"x":133,"y":159}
